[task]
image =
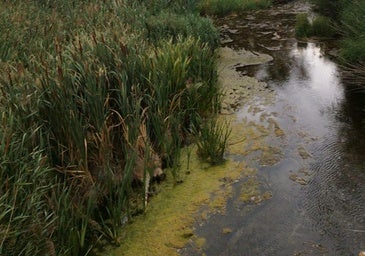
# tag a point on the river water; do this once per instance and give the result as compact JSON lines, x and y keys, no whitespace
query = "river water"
{"x":316,"y":186}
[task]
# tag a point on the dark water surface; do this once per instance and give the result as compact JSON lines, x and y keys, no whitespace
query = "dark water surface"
{"x":324,"y":144}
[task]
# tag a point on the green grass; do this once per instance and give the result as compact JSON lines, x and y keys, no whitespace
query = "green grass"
{"x":329,"y":8}
{"x":212,"y":140}
{"x":353,"y":50}
{"x":174,"y":25}
{"x":353,"y":30}
{"x":321,"y":27}
{"x":349,"y":20}
{"x":302,"y":25}
{"x":225,"y":7}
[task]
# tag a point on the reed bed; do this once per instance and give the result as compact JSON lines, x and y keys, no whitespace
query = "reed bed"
{"x":226,"y":7}
{"x":96,"y":98}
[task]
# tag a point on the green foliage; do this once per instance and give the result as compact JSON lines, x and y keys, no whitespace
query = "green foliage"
{"x":353,"y":29}
{"x":329,"y":8}
{"x":26,"y":220}
{"x":353,"y":50}
{"x":352,"y":19}
{"x":183,"y":85}
{"x":172,"y":25}
{"x":224,"y":7}
{"x":322,"y":27}
{"x":302,"y":25}
{"x":212,"y":140}
{"x":349,"y":17}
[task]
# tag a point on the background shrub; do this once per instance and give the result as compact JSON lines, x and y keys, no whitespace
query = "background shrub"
{"x":329,"y":8}
{"x":302,"y":25}
{"x":322,"y":27}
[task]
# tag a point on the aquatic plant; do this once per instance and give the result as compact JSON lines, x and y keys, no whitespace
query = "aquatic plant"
{"x":174,"y":25}
{"x":353,"y":31}
{"x":224,"y":7}
{"x":302,"y":25}
{"x":353,"y":50}
{"x":329,"y":8}
{"x":322,"y":27}
{"x":212,"y":140}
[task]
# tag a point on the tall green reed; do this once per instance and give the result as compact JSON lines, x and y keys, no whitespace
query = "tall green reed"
{"x":225,"y":7}
{"x":26,"y":221}
{"x":212,"y":140}
{"x":77,"y":97}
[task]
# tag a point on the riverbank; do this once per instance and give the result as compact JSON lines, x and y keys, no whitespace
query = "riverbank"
{"x":97,"y":100}
{"x":291,"y":162}
{"x":167,"y":227}
{"x":343,"y":23}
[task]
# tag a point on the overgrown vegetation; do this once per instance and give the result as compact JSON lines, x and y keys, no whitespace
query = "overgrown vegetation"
{"x":224,"y":7}
{"x":329,"y":8}
{"x":212,"y":140}
{"x":321,"y":26}
{"x":353,"y":49}
{"x":96,"y":97}
{"x":349,"y":19}
{"x":302,"y":25}
{"x":345,"y":19}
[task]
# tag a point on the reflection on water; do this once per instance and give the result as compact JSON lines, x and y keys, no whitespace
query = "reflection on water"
{"x":327,"y":215}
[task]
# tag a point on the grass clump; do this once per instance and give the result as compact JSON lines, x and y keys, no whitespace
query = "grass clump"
{"x":212,"y":140}
{"x":225,"y":7}
{"x":349,"y":20}
{"x":302,"y":25}
{"x":353,"y":31}
{"x":321,"y":26}
{"x":353,"y":50}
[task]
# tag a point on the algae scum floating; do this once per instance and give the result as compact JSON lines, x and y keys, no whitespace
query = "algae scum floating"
{"x":304,"y":143}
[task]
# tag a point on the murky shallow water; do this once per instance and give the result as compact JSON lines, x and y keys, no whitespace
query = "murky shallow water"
{"x":318,"y":185}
